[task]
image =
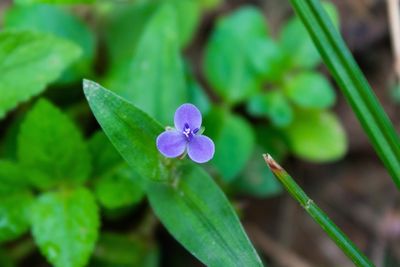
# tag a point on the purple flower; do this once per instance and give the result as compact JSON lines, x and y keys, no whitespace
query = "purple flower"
{"x":186,"y":136}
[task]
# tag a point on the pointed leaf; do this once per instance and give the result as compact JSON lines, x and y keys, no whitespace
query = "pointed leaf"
{"x":130,"y":130}
{"x":155,"y":79}
{"x":197,"y":214}
{"x":194,"y":209}
{"x":131,"y":18}
{"x":188,"y":18}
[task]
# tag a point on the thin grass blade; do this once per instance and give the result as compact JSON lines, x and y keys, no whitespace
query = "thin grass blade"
{"x":320,"y":217}
{"x":353,"y":83}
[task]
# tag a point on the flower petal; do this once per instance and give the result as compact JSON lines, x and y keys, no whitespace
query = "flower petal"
{"x":171,"y":143}
{"x":201,"y":148}
{"x":187,"y":113}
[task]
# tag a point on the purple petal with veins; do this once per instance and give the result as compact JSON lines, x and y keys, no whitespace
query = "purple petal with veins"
{"x":171,"y":143}
{"x":187,"y":114}
{"x":201,"y":149}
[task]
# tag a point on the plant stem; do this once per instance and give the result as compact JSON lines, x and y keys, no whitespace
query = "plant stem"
{"x":353,"y":83}
{"x":341,"y":240}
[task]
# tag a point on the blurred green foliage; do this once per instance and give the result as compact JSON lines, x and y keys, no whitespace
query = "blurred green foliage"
{"x":61,"y":177}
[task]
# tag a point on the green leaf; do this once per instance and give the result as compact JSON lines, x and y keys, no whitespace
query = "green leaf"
{"x":14,"y":214}
{"x":8,"y":145}
{"x":267,"y":59}
{"x":272,"y":104}
{"x":123,"y":19}
{"x":38,"y":58}
{"x":317,"y":136}
{"x":256,"y":180}
{"x":210,"y":4}
{"x":227,"y":129}
{"x":130,"y":130}
{"x":52,"y":148}
{"x":272,"y":141}
{"x":117,"y":184}
{"x":12,"y":177}
{"x":132,"y":18}
{"x":65,"y":226}
{"x":115,"y":250}
{"x":353,"y":83}
{"x":188,"y":18}
{"x":57,"y":21}
{"x":200,"y":217}
{"x":310,"y":90}
{"x":196,"y":93}
{"x":297,"y":44}
{"x":29,"y":2}
{"x":155,"y":79}
{"x":194,"y":209}
{"x":5,"y":259}
{"x":231,"y":64}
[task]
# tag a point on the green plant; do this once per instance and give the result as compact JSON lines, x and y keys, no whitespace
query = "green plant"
{"x":66,"y":181}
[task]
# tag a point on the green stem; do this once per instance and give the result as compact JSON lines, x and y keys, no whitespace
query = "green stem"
{"x":318,"y":215}
{"x":354,"y":85}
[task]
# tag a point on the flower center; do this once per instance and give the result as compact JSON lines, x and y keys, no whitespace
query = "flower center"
{"x":188,"y":132}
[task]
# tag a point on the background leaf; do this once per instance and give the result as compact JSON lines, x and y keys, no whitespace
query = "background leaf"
{"x":125,"y":18}
{"x":273,"y":105}
{"x":196,"y":93}
{"x":256,"y":180}
{"x":14,"y":214}
{"x":117,"y":185}
{"x":317,"y":136}
{"x":195,"y":220}
{"x":273,"y":141}
{"x":28,"y":2}
{"x":294,"y":34}
{"x":226,"y":129}
{"x":52,"y":148}
{"x":116,"y":250}
{"x":15,"y":201}
{"x":65,"y":226}
{"x":38,"y":58}
{"x":310,"y":90}
{"x":155,"y":79}
{"x":59,"y":22}
{"x":13,"y":178}
{"x":229,"y":65}
{"x":188,"y":18}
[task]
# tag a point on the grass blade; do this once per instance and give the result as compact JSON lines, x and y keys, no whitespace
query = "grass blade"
{"x":353,"y":83}
{"x":318,"y":215}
